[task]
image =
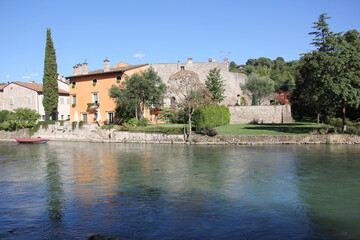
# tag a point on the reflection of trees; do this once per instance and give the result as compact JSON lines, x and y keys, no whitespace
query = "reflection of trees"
{"x":329,"y":186}
{"x":55,"y":194}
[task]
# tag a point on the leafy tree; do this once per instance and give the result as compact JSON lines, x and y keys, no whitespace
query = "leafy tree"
{"x":189,"y":92}
{"x":4,"y":114}
{"x":215,"y":85}
{"x":50,"y":84}
{"x":258,"y":87}
{"x":22,"y":117}
{"x":332,"y":73}
{"x":140,"y":90}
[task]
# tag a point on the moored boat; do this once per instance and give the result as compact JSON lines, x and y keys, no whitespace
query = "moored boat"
{"x":29,"y":140}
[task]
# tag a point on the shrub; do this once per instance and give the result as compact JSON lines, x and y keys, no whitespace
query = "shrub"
{"x":4,"y":114}
{"x":211,"y":116}
{"x":81,"y":124}
{"x":73,"y":125}
{"x":22,"y":117}
{"x":142,"y":122}
{"x":208,"y":131}
{"x":5,"y":126}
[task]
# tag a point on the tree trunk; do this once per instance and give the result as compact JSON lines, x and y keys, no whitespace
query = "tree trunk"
{"x":136,"y":112}
{"x":344,"y":120}
{"x":318,"y":118}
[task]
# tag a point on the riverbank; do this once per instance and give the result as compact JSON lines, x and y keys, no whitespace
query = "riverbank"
{"x":93,"y":133}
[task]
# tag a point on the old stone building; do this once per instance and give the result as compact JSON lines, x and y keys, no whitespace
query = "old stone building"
{"x":231,"y":80}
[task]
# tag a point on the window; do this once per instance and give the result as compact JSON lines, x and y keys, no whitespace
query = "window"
{"x":182,"y":67}
{"x":61,"y":100}
{"x":94,"y":81}
{"x":28,"y":100}
{"x":73,"y":84}
{"x":74,"y":99}
{"x":84,"y":117}
{"x":11,"y":101}
{"x":110,"y":117}
{"x":118,"y":79}
{"x":62,"y":117}
{"x":95,"y":97}
{"x":95,"y":116}
{"x":67,"y":100}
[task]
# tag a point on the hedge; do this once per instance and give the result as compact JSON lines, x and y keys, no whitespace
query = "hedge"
{"x":211,"y":116}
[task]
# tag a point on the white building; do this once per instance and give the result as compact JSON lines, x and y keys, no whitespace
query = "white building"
{"x":29,"y":95}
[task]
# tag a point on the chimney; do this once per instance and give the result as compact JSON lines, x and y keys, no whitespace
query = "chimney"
{"x":211,"y":59}
{"x":85,"y":68}
{"x":190,"y":60}
{"x":106,"y":65}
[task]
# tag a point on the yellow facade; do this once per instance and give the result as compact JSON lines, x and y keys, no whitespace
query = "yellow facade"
{"x":89,"y":93}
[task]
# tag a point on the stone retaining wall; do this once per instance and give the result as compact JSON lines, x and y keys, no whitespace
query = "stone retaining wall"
{"x":95,"y":134}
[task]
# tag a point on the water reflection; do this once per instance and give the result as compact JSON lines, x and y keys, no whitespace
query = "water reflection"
{"x":144,"y":191}
{"x":330,"y":189}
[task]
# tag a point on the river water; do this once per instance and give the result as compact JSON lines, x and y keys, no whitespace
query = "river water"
{"x":71,"y":190}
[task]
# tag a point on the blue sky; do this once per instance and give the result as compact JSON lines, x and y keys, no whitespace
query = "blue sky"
{"x":159,"y":31}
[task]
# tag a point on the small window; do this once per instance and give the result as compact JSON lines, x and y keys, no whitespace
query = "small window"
{"x":73,"y":84}
{"x":28,"y":100}
{"x":62,"y":117}
{"x":182,"y":67}
{"x":74,"y":99}
{"x":61,"y":100}
{"x":11,"y":101}
{"x":118,"y":79}
{"x":95,"y":97}
{"x":67,"y":100}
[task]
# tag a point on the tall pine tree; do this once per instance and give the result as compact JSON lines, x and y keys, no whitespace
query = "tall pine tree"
{"x":215,"y":85}
{"x":50,"y":84}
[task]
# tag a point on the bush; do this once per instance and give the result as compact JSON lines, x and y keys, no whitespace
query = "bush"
{"x":22,"y":118}
{"x":143,"y":122}
{"x":208,"y":131}
{"x":5,"y":126}
{"x":211,"y":116}
{"x":4,"y":114}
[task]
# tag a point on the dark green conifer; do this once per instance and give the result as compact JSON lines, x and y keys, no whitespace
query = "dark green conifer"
{"x":50,"y":85}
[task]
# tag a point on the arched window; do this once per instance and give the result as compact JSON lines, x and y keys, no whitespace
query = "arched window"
{"x":94,"y":81}
{"x":118,"y":79}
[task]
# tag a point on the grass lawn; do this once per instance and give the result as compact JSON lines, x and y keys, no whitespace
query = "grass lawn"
{"x":298,"y":128}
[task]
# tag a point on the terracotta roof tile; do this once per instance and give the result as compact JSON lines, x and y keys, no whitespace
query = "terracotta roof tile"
{"x":36,"y":87}
{"x":2,"y":86}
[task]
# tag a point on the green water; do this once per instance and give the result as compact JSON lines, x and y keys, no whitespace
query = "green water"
{"x":70,"y":190}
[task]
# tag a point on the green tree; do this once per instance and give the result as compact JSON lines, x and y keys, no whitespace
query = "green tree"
{"x":190,"y":94}
{"x":50,"y":84}
{"x":140,"y":90}
{"x":215,"y":85}
{"x":332,"y":74}
{"x":23,"y":117}
{"x":258,"y":87}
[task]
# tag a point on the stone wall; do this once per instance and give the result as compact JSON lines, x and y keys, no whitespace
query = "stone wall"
{"x":23,"y":133}
{"x":260,"y":114}
{"x":232,"y":80}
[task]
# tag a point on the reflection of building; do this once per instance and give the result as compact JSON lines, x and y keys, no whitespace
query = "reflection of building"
{"x":231,"y":80}
{"x":89,"y":91}
{"x":29,"y":95}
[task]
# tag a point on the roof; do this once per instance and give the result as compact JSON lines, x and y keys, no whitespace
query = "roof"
{"x":2,"y":86}
{"x":111,"y":70}
{"x":37,"y":87}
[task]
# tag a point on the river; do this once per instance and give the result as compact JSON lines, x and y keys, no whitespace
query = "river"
{"x":71,"y":190}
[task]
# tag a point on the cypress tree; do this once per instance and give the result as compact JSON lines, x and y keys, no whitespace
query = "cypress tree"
{"x":50,"y":85}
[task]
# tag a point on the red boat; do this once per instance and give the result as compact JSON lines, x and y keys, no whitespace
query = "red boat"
{"x":35,"y":140}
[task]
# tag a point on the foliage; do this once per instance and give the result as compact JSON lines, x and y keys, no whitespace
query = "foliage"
{"x":135,"y":122}
{"x":140,"y":90}
{"x":169,"y":115}
{"x":73,"y":125}
{"x":50,"y":85}
{"x":22,"y":118}
{"x":155,"y":129}
{"x":282,"y":73}
{"x":191,"y":94}
{"x":259,"y":87}
{"x":329,"y":79}
{"x":81,"y":124}
{"x":4,"y":114}
{"x":215,"y":85}
{"x":208,"y":131}
{"x":282,"y":97}
{"x":211,"y":116}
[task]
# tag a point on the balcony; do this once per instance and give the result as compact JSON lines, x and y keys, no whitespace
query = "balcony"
{"x":92,"y":107}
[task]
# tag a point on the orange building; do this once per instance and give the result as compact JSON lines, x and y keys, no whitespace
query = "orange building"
{"x":89,"y":91}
